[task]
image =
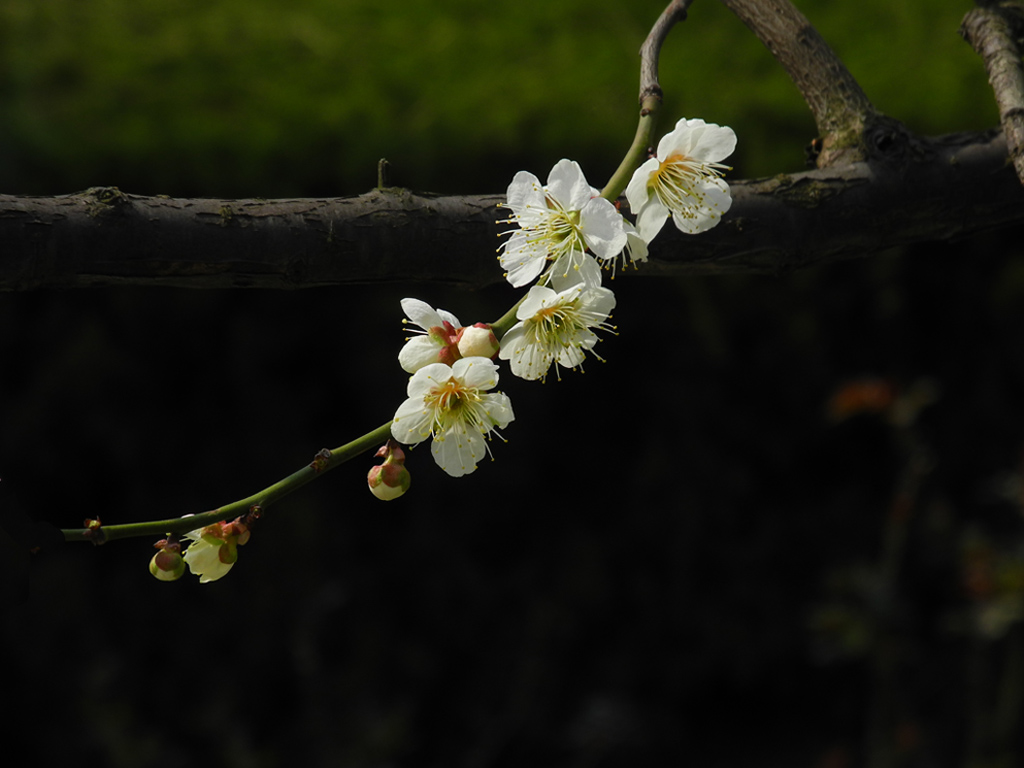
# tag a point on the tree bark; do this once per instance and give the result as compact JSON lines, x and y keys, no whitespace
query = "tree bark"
{"x":994,"y":34}
{"x":915,"y":190}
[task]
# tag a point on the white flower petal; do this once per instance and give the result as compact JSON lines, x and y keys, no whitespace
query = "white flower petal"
{"x":574,"y":267}
{"x":602,"y":228}
{"x":203,"y":560}
{"x":478,"y":372}
{"x":570,"y":357}
{"x":512,"y":337}
{"x":525,"y":191}
{"x":600,"y":301}
{"x":420,"y":313}
{"x":637,"y":191}
{"x":715,"y":200}
{"x":534,"y":301}
{"x":527,"y":360}
{"x":418,"y":352}
{"x":585,"y":272}
{"x":568,"y":186}
{"x":458,"y":450}
{"x":426,"y":378}
{"x":636,"y":247}
{"x":413,"y":421}
{"x":650,"y":219}
{"x":680,"y":139}
{"x":448,"y":317}
{"x":714,"y":143}
{"x":523,"y":259}
{"x":499,"y":408}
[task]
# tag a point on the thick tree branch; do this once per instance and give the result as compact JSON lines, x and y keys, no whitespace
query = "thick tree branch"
{"x":843,"y":113}
{"x":105,"y":237}
{"x":877,"y":186}
{"x":932,"y":189}
{"x":994,"y":33}
{"x":928,"y":189}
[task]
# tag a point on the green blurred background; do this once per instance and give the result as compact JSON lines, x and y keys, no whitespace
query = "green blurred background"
{"x":183,"y":97}
{"x":684,"y":556}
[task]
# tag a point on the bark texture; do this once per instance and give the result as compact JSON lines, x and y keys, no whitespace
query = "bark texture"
{"x":918,"y":190}
{"x":995,"y":32}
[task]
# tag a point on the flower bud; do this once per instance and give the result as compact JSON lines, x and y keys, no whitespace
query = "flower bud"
{"x":445,"y":337}
{"x":478,"y":341}
{"x":167,"y":564}
{"x":390,"y":479}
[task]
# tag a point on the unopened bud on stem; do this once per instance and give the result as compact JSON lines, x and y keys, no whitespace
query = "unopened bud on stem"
{"x":167,"y":564}
{"x":478,"y":341}
{"x":390,"y":479}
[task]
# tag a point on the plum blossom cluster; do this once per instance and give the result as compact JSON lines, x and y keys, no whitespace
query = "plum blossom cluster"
{"x":565,"y":224}
{"x":564,"y":234}
{"x":449,"y":399}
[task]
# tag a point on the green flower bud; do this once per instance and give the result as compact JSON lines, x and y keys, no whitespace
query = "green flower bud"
{"x":391,"y":479}
{"x":167,"y":564}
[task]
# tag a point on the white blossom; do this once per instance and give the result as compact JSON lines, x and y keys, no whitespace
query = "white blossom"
{"x":555,"y":326}
{"x":683,"y":180}
{"x":214,"y":549}
{"x":558,"y":223}
{"x":437,"y":340}
{"x":453,"y":405}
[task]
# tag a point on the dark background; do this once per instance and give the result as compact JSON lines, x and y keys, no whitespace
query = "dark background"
{"x":780,"y":526}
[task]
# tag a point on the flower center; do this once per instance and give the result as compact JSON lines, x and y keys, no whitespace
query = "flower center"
{"x":677,"y":178}
{"x":563,"y":325}
{"x":448,"y":396}
{"x":453,"y":402}
{"x":551,"y":319}
{"x":562,"y":229}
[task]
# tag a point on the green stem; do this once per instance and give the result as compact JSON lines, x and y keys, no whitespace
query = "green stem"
{"x":500,"y":327}
{"x":637,"y":152}
{"x":324,"y":461}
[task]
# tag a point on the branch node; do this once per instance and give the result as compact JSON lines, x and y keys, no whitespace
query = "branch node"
{"x":102,"y":201}
{"x":321,"y":460}
{"x":94,"y":532}
{"x":383,"y":173}
{"x":651,"y":49}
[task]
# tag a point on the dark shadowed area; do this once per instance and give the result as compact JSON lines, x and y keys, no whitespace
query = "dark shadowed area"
{"x":780,"y":526}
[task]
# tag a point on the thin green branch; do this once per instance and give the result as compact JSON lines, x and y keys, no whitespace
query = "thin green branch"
{"x":650,"y":102}
{"x":637,"y":152}
{"x":323,"y":462}
{"x":650,"y":98}
{"x":500,"y":327}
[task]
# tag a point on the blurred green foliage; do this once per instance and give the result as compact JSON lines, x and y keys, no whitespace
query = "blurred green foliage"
{"x":260,"y":98}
